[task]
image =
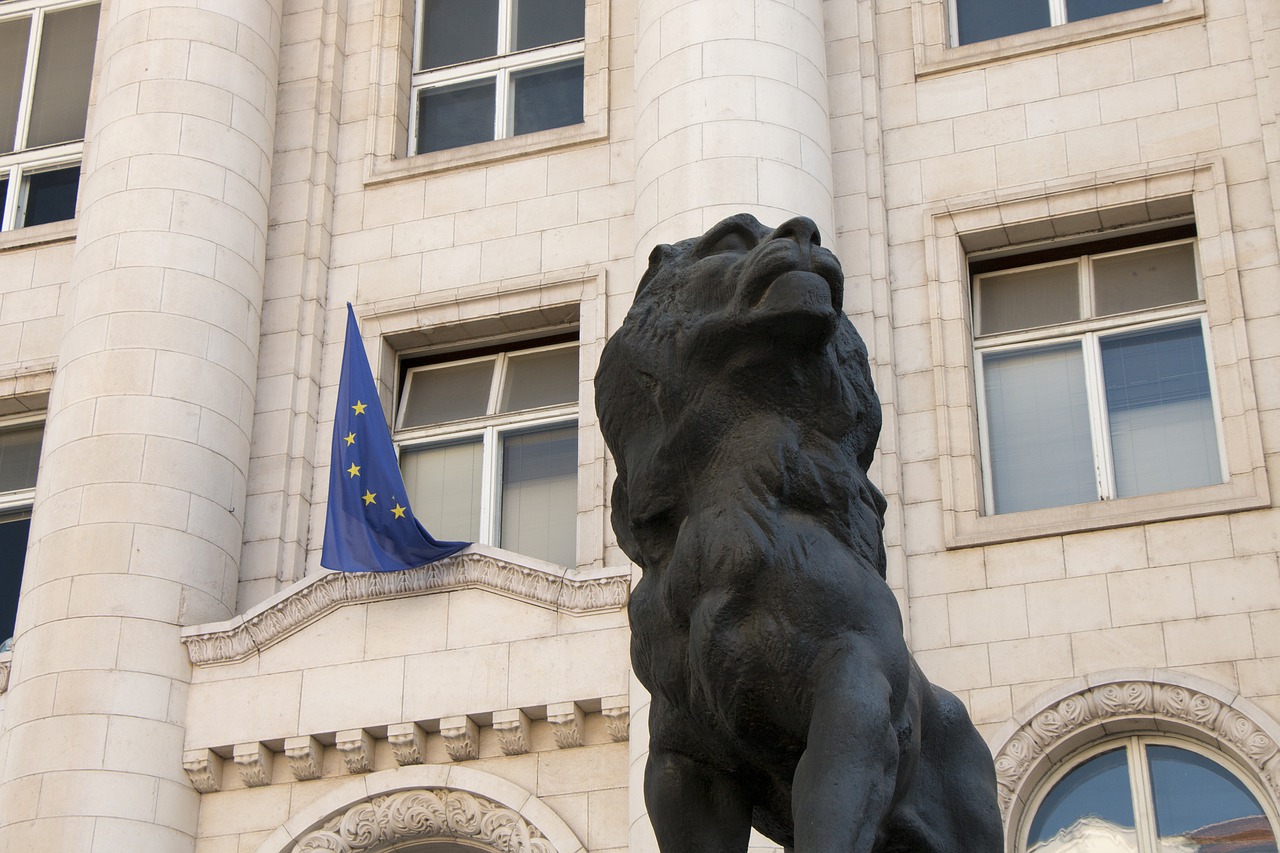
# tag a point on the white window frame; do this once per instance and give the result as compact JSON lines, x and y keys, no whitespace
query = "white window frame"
{"x":1089,"y":331}
{"x":501,"y":67}
{"x":491,"y":428}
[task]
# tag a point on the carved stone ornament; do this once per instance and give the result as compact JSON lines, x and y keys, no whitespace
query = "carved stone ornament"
{"x":306,"y":757}
{"x":513,"y":730}
{"x":408,"y":743}
{"x":254,"y":762}
{"x":468,"y":570}
{"x":204,"y":769}
{"x":423,"y":814}
{"x":567,"y":724}
{"x":1128,"y":699}
{"x":356,"y":747}
{"x":617,"y":718}
{"x":461,"y":738}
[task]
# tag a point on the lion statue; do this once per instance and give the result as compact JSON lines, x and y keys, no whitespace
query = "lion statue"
{"x":737,"y":401}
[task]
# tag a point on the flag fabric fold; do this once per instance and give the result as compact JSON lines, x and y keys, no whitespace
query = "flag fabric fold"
{"x":369,"y":526}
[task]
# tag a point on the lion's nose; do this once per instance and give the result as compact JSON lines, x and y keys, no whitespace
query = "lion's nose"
{"x":801,"y":229}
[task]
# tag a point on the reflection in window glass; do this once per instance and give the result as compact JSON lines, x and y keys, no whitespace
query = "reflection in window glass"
{"x":51,"y":196}
{"x":547,"y":97}
{"x":456,"y":31}
{"x":1078,"y":10}
{"x":20,"y":458}
{"x":13,"y":552}
{"x":1199,"y":802}
{"x":539,"y":494}
{"x":979,"y":20}
{"x":14,"y":35}
{"x":453,"y":116}
{"x":1092,"y":796}
{"x":61,"y":98}
{"x":541,"y":22}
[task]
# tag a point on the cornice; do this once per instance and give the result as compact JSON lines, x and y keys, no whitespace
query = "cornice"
{"x":491,"y":569}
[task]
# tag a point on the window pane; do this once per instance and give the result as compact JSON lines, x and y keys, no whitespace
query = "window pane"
{"x":547,"y":97}
{"x":980,"y":20}
{"x":540,"y":379}
{"x":19,"y":458}
{"x":4,"y":198}
{"x":436,"y":395}
{"x":540,"y":494}
{"x":1137,"y":280}
{"x":456,"y":31}
{"x":61,"y":97}
{"x":444,"y":488}
{"x":1163,"y":432}
{"x":13,"y":552}
{"x":51,"y":196}
{"x":13,"y":61}
{"x":1028,"y":298}
{"x":540,"y":22}
{"x":1078,"y":10}
{"x":1038,"y":427}
{"x":453,"y":116}
{"x":1091,"y":803}
{"x":1200,"y":802}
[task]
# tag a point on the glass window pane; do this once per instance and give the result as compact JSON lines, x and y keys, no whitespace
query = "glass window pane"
{"x":540,"y":22}
{"x":546,"y":378}
{"x":1078,"y":10}
{"x":1092,"y":803}
{"x":456,"y":31}
{"x":13,"y":62}
{"x":1163,"y":431}
{"x":444,"y":488}
{"x":51,"y":196}
{"x":65,"y":65}
{"x":980,"y":20}
{"x":1026,"y":299}
{"x":436,"y":395}
{"x":20,"y":458}
{"x":1137,"y":280}
{"x":1199,"y":802}
{"x":1038,"y":427}
{"x":13,"y":552}
{"x":453,"y":116}
{"x":4,"y":198}
{"x":540,"y":494}
{"x":547,"y":97}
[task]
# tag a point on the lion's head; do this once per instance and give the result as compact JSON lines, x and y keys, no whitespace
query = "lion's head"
{"x":736,"y":349}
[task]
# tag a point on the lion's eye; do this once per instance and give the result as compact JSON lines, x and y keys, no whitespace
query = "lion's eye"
{"x":734,"y":241}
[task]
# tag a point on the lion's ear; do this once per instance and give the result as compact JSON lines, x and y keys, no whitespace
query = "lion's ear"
{"x":660,"y":255}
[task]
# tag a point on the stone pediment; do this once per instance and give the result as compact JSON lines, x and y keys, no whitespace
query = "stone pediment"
{"x":478,"y":567}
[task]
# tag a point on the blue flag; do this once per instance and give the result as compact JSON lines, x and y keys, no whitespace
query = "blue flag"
{"x":369,"y":526}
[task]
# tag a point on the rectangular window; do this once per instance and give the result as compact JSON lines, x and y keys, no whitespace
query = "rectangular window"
{"x":980,"y":20}
{"x":19,"y":462}
{"x":490,"y":69}
{"x":489,"y":448}
{"x":1093,"y":373}
{"x":46,"y":61}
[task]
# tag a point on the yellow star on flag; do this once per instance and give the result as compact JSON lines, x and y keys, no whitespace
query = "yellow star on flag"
{"x":397,"y":511}
{"x":369,"y":497}
{"x":351,"y":438}
{"x":359,"y":407}
{"x":354,"y":470}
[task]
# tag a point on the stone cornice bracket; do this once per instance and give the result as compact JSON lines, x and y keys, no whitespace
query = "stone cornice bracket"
{"x":426,"y":813}
{"x":513,"y":730}
{"x":567,"y":723}
{"x":1212,"y":718}
{"x":254,"y":762}
{"x":204,"y":769}
{"x":408,"y":743}
{"x":309,"y":599}
{"x":461,"y":738}
{"x":306,"y":757}
{"x":356,"y":747}
{"x":616,"y":711}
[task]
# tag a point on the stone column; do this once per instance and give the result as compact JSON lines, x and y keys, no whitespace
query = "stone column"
{"x":139,"y":510}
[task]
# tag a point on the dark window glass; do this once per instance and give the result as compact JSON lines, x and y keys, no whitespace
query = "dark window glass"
{"x":4,"y":196}
{"x":548,"y":97}
{"x":51,"y":196}
{"x":540,"y":22}
{"x":13,"y":62}
{"x":980,"y":20}
{"x":61,"y":97}
{"x":1078,"y":10}
{"x":456,"y":115}
{"x":1094,"y":794}
{"x":13,"y":551}
{"x":20,"y":458}
{"x":456,"y":31}
{"x":1198,"y":800}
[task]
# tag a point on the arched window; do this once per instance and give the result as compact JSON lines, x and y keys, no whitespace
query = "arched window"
{"x":1148,"y":794}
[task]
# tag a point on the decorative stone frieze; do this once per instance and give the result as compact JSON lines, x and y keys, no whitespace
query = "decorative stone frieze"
{"x":356,"y":747}
{"x":306,"y":757}
{"x":4,"y":674}
{"x":254,"y":762}
{"x":472,"y":569}
{"x":204,"y":769}
{"x":423,"y":814}
{"x":1106,"y":703}
{"x":513,"y":730}
{"x":461,"y":738}
{"x":567,"y":722}
{"x":617,"y":717}
{"x":408,"y":743}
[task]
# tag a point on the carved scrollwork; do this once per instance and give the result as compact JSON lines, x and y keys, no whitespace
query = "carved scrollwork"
{"x":427,"y":813}
{"x":4,"y":675}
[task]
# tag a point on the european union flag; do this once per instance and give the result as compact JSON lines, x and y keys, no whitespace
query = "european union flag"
{"x":369,"y":526}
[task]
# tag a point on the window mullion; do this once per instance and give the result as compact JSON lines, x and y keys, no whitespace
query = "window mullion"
{"x":1057,"y":12}
{"x":1099,"y":420}
{"x":28,"y":92}
{"x":10,"y":201}
{"x":1144,"y":811}
{"x":489,"y":487}
{"x":506,"y":26}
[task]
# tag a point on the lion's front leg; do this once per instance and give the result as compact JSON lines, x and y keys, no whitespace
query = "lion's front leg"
{"x":694,"y":808}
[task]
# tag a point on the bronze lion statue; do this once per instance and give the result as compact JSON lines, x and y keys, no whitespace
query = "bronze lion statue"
{"x":737,"y":401}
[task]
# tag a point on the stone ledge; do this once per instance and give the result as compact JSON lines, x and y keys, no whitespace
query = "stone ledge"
{"x":477,"y":567}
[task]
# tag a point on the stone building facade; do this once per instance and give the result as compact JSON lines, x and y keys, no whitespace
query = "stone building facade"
{"x":1059,"y":230}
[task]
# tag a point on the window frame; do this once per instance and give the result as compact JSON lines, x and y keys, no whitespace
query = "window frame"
{"x":18,"y":504}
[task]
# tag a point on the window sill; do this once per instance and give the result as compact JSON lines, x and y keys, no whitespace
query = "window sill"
{"x":934,"y":56}
{"x":36,"y":235}
{"x":1242,"y":492}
